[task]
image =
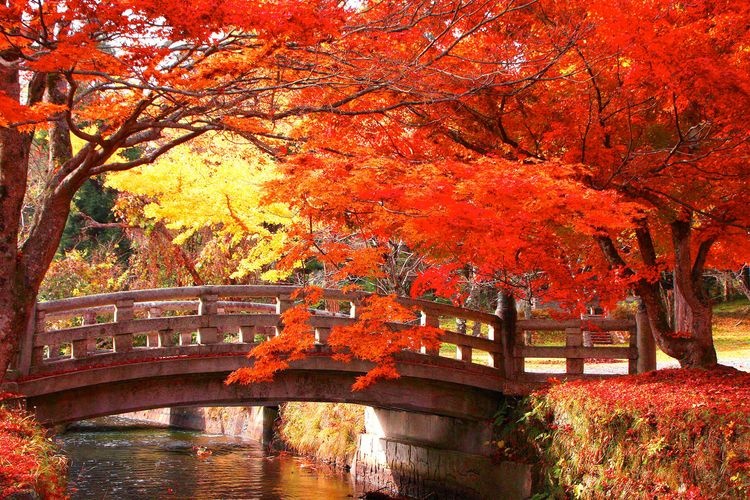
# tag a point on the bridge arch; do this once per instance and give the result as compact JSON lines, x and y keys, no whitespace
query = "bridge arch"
{"x":110,"y":390}
{"x":143,"y":349}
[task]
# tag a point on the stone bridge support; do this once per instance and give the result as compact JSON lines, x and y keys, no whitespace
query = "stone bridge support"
{"x":426,"y":456}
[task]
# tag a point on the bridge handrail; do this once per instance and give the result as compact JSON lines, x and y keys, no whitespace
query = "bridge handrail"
{"x":172,"y":305}
{"x":162,"y":294}
{"x":211,"y":317}
{"x":246,"y":291}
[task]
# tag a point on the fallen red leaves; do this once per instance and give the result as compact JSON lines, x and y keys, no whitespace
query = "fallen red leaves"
{"x":668,"y":434}
{"x":28,"y":459}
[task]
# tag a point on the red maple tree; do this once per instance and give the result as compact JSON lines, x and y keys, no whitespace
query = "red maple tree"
{"x":592,"y":144}
{"x":597,"y":144}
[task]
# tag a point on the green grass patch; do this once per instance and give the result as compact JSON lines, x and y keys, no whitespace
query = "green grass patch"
{"x":732,"y":308}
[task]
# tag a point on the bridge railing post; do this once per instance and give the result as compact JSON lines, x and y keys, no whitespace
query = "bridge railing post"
{"x":463,"y":353}
{"x":645,"y":342}
{"x":573,"y":338}
{"x":321,"y":335}
{"x":208,"y":307}
{"x":354,"y":306}
{"x":510,"y":339}
{"x":53,"y":349}
{"x":166,"y":337}
{"x":283,"y":303}
{"x":26,"y":352}
{"x":123,"y":341}
{"x":81,"y":348}
{"x":37,"y":352}
{"x":152,"y":338}
{"x":429,"y":319}
{"x":494,"y":333}
{"x":247,"y":334}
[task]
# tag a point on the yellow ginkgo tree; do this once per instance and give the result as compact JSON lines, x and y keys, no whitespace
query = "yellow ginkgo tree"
{"x":214,"y":186}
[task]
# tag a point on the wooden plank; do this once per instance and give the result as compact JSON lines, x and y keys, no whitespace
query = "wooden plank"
{"x":145,"y":325}
{"x":573,"y":340}
{"x":480,"y":343}
{"x":27,"y":344}
{"x":185,"y":298}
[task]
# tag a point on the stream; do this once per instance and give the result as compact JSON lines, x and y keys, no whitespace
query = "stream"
{"x":111,"y":458}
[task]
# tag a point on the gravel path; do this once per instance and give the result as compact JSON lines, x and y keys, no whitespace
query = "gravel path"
{"x":621,"y":368}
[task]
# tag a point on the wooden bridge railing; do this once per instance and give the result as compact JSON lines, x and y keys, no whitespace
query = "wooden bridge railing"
{"x":142,"y":325}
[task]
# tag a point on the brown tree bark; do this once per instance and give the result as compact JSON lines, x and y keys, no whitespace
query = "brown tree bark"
{"x":693,"y":313}
{"x":22,"y":270}
{"x":690,"y":341}
{"x":16,"y":294}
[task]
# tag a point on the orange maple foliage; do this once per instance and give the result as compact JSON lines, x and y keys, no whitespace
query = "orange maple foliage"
{"x":580,"y":147}
{"x":292,"y":344}
{"x":594,"y":146}
{"x":383,"y":329}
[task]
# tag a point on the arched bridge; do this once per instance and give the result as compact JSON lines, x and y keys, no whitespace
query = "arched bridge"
{"x":104,"y":354}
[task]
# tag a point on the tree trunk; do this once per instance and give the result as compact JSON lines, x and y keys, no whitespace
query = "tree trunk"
{"x":690,"y":340}
{"x":743,"y":281}
{"x":22,"y":270}
{"x":15,"y":305}
{"x":692,"y":309}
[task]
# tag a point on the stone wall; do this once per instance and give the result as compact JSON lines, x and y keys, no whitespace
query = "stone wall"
{"x":423,"y":472}
{"x":249,"y":422}
{"x":428,"y":456}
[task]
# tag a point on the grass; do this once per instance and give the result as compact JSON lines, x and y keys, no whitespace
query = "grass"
{"x":731,"y":325}
{"x":732,"y":329}
{"x":324,"y":431}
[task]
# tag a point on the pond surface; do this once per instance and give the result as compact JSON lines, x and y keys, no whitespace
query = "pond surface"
{"x":110,"y":459}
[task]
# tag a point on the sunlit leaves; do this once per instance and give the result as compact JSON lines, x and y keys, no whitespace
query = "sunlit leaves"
{"x":274,"y":355}
{"x":215,"y":183}
{"x":374,"y":337}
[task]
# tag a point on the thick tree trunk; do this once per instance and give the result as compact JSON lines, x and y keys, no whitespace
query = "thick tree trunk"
{"x":690,"y":341}
{"x":694,"y":351}
{"x":15,"y":305}
{"x":692,"y":309}
{"x":22,"y":270}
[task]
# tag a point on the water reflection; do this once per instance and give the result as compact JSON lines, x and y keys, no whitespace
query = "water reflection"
{"x":107,"y":461}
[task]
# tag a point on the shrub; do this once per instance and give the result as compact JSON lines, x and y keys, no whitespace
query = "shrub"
{"x":326,"y":431}
{"x":29,"y":460}
{"x":666,"y":434}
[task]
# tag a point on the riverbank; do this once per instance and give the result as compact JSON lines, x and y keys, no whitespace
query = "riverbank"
{"x":665,"y":434}
{"x":30,"y":462}
{"x":669,"y":433}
